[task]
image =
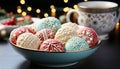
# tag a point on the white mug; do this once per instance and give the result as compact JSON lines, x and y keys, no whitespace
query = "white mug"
{"x":102,"y":16}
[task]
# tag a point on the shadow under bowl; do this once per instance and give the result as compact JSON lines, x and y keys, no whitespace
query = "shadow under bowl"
{"x":54,"y":59}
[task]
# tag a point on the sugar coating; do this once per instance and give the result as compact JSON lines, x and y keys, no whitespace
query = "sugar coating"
{"x":45,"y":34}
{"x":49,"y":22}
{"x":28,"y":41}
{"x":64,"y":34}
{"x":16,"y":32}
{"x":89,"y":35}
{"x":76,"y":44}
{"x":52,"y":45}
{"x":70,"y":24}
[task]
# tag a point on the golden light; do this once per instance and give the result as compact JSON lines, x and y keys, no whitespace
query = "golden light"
{"x":24,"y":13}
{"x":76,"y":7}
{"x":19,"y":10}
{"x":66,"y":9}
{"x":3,"y":32}
{"x":38,"y":11}
{"x":52,"y":6}
{"x":85,"y":0}
{"x":45,"y":14}
{"x":117,"y":26}
{"x":22,"y":1}
{"x":53,"y":10}
{"x":65,"y":1}
{"x":53,"y":14}
{"x":29,"y":8}
{"x":18,"y":7}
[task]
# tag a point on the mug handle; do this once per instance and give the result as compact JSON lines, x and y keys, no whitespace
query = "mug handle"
{"x":69,"y":14}
{"x":118,"y":17}
{"x":81,"y":18}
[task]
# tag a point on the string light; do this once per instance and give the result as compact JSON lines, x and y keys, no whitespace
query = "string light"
{"x":117,"y":26}
{"x":76,"y":7}
{"x":65,"y":1}
{"x":46,"y":15}
{"x":66,"y":9}
{"x":52,"y":6}
{"x":53,"y":14}
{"x":38,"y":11}
{"x":85,"y":0}
{"x":24,"y":13}
{"x":3,"y":32}
{"x":19,"y":10}
{"x":18,"y":7}
{"x":22,"y":2}
{"x":53,"y":10}
{"x":29,"y":8}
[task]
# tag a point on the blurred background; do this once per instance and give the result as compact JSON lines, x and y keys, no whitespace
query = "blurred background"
{"x":41,"y":8}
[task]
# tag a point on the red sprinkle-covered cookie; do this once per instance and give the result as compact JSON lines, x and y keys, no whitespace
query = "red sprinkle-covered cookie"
{"x":45,"y":34}
{"x":89,"y":35}
{"x":52,"y":45}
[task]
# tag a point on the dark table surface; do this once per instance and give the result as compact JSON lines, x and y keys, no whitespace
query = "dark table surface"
{"x":106,"y":57}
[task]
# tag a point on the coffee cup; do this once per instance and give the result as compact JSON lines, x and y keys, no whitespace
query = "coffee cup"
{"x":102,"y":16}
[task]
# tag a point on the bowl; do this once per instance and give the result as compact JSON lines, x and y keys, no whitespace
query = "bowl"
{"x":9,"y":28}
{"x":54,"y":59}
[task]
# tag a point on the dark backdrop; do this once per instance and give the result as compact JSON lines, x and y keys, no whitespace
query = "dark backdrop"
{"x":11,"y":5}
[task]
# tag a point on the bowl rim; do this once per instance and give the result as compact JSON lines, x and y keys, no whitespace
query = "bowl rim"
{"x":98,"y":44}
{"x":12,"y":26}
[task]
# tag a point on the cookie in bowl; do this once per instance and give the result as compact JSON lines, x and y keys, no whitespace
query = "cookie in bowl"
{"x":45,"y":51}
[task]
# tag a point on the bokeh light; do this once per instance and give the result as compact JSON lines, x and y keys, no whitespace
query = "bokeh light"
{"x":3,"y":32}
{"x":24,"y":13}
{"x":29,"y":8}
{"x":19,"y":10}
{"x":52,"y":6}
{"x":18,"y":7}
{"x":53,"y":10}
{"x":85,"y":0}
{"x":66,"y":9}
{"x":65,"y":1}
{"x":76,"y":7}
{"x":46,"y":15}
{"x":22,"y":1}
{"x":38,"y":10}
